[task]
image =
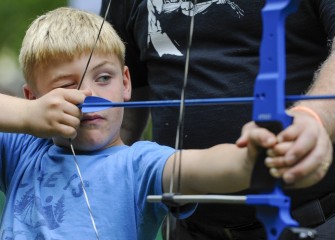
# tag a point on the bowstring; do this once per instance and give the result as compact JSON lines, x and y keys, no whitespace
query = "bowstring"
{"x":70,"y":141}
{"x":181,"y":119}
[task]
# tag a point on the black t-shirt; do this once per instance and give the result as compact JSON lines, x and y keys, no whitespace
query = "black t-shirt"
{"x":224,"y":62}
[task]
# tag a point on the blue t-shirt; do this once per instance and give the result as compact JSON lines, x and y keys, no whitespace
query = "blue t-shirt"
{"x":44,"y":197}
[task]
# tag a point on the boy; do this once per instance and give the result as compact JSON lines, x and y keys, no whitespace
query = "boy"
{"x":45,"y":196}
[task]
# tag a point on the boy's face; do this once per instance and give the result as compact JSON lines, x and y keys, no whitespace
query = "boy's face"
{"x":104,"y":78}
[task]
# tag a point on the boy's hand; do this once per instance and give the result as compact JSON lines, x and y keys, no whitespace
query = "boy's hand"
{"x":255,"y":138}
{"x":55,"y":113}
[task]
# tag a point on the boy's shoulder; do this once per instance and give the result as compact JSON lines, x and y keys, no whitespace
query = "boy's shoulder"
{"x":150,"y":150}
{"x":149,"y":146}
{"x":17,"y":141}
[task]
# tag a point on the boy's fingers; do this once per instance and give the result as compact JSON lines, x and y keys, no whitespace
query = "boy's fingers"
{"x":70,"y":121}
{"x":72,"y":110}
{"x":67,"y":131}
{"x":279,"y":149}
{"x":262,"y":137}
{"x":242,"y":141}
{"x":75,"y":96}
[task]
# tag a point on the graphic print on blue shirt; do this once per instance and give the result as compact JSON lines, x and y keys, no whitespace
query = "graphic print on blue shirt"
{"x":50,"y":208}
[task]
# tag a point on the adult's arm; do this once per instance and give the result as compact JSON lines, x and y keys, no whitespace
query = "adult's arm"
{"x":312,"y":149}
{"x":324,"y":79}
{"x":324,"y":83}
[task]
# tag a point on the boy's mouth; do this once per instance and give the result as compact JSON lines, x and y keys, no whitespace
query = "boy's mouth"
{"x":90,"y":118}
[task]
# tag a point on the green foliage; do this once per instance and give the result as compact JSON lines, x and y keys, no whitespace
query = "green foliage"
{"x":16,"y":16}
{"x":147,"y":133}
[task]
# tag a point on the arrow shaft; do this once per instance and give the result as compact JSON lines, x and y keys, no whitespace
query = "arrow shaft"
{"x":198,"y":102}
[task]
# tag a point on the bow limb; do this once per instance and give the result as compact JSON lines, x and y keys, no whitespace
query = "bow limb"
{"x":269,"y":88}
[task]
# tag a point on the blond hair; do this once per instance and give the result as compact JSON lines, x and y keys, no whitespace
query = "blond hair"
{"x":63,"y":34}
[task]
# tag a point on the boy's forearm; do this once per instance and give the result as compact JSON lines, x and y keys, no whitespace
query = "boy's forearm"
{"x":14,"y":114}
{"x":221,"y":169}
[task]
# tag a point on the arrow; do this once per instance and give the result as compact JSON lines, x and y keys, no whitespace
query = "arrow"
{"x":96,"y":104}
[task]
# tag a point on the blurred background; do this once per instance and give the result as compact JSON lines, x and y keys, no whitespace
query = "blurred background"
{"x":15,"y":17}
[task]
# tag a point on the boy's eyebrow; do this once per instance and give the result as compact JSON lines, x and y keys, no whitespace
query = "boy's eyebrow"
{"x":105,"y":62}
{"x":65,"y":75}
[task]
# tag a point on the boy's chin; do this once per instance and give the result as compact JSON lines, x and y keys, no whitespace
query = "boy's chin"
{"x":62,"y":142}
{"x":77,"y":145}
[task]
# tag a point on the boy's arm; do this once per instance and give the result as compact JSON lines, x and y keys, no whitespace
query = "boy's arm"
{"x":54,"y":114}
{"x":221,"y":169}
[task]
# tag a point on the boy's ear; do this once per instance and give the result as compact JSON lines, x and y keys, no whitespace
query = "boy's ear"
{"x":126,"y":84}
{"x":28,"y":93}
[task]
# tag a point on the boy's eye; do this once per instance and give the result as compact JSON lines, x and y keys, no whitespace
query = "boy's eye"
{"x":103,"y":79}
{"x":69,"y":86}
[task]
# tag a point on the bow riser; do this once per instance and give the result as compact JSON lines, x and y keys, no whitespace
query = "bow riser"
{"x":269,"y":89}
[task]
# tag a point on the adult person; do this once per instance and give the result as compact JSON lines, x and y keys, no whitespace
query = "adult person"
{"x":224,"y":62}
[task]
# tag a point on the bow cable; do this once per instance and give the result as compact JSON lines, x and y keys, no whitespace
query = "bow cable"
{"x":181,"y":118}
{"x":180,"y":126}
{"x":70,"y":141}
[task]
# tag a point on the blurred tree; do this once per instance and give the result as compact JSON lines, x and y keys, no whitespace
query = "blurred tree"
{"x":16,"y":16}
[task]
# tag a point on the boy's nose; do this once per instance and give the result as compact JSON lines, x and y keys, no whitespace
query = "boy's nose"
{"x":87,"y":86}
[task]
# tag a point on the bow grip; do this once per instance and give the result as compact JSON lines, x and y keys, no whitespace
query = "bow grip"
{"x":269,"y":89}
